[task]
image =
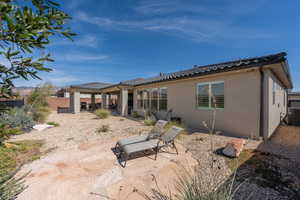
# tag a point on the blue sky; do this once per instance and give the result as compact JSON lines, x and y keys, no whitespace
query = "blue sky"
{"x":125,"y":39}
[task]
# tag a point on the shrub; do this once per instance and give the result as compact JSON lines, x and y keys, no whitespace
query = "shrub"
{"x":103,"y":128}
{"x":102,"y":113}
{"x":6,"y":132}
{"x":17,"y":118}
{"x":149,"y":122}
{"x":135,"y":114}
{"x":191,"y":186}
{"x":40,"y":114}
{"x":38,"y":97}
{"x":11,"y":187}
{"x":37,"y":102}
{"x":55,"y":124}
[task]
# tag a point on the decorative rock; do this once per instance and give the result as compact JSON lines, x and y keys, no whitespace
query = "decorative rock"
{"x":234,"y":148}
{"x":41,"y":127}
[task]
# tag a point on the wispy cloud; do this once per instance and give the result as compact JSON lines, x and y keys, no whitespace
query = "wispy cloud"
{"x":81,"y":57}
{"x":87,"y":40}
{"x":158,"y":7}
{"x":193,"y":28}
{"x":56,"y":77}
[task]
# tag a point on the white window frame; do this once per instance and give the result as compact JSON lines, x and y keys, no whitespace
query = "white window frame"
{"x":149,"y":91}
{"x":161,"y":88}
{"x":210,"y":83}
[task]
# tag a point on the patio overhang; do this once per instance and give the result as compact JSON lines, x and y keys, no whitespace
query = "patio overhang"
{"x":106,"y":90}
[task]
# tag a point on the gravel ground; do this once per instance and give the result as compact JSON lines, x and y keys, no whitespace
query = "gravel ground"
{"x":277,"y":160}
{"x":272,"y":172}
{"x":75,"y":129}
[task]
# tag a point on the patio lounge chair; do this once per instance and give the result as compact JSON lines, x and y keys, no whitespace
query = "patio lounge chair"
{"x":154,"y":133}
{"x":154,"y":145}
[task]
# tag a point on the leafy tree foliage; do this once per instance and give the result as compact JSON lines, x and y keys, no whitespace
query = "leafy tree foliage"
{"x":26,"y":27}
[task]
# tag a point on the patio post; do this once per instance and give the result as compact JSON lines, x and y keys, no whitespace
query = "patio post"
{"x":135,"y":100}
{"x":124,"y":102}
{"x":93,"y":101}
{"x":75,"y":102}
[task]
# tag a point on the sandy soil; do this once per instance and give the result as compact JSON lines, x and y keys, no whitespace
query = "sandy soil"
{"x":85,"y":166}
{"x":82,"y":164}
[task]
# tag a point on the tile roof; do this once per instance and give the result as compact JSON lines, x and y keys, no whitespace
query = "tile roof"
{"x":216,"y":68}
{"x":93,"y":85}
{"x":198,"y":71}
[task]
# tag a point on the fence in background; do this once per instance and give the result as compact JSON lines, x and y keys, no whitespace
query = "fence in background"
{"x":12,"y":103}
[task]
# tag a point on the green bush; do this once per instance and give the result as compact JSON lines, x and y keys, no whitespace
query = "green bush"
{"x":40,"y":114}
{"x":11,"y":187}
{"x":37,"y":102}
{"x":55,"y":124}
{"x":38,"y":97}
{"x":102,"y":113}
{"x":149,"y":122}
{"x":135,"y":114}
{"x":17,"y":118}
{"x":6,"y":132}
{"x":191,"y":186}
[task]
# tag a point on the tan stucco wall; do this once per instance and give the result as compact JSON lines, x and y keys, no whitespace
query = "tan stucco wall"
{"x":241,"y":115}
{"x":274,"y":113}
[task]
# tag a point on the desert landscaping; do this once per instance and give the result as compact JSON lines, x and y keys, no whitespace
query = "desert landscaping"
{"x":79,"y":157}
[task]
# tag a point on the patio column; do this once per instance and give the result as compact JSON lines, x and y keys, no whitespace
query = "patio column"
{"x":124,"y":102}
{"x":104,"y":103}
{"x":75,"y":102}
{"x":93,"y":101}
{"x":135,"y":100}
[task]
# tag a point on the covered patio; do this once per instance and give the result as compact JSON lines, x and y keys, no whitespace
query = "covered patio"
{"x":116,"y":97}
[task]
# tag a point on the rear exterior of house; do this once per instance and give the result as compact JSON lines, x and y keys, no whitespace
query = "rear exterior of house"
{"x":249,"y":95}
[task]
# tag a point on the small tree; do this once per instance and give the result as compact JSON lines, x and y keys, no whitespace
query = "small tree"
{"x":25,"y":30}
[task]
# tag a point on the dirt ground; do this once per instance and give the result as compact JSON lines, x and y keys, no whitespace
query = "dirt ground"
{"x":82,"y":165}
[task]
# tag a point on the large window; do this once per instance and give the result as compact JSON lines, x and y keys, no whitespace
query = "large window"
{"x":146,"y":99}
{"x":140,"y":104}
{"x":153,"y":99}
{"x":210,"y":95}
{"x":163,"y":99}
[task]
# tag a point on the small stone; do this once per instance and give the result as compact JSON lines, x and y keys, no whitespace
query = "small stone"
{"x":234,"y":148}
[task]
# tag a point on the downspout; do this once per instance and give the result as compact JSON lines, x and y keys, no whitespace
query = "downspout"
{"x":261,"y":121}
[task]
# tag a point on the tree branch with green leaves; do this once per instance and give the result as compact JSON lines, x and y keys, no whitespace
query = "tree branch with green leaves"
{"x":26,"y":27}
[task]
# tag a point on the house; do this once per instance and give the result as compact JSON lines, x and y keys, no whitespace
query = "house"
{"x":250,"y":95}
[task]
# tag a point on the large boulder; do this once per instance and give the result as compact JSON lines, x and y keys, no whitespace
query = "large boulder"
{"x":234,"y":148}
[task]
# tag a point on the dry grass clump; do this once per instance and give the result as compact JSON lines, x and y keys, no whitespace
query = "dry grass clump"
{"x":102,"y":113}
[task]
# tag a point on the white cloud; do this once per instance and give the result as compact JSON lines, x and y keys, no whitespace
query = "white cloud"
{"x":192,"y":28}
{"x":56,"y":77}
{"x":159,"y":7}
{"x":80,"y":57}
{"x":87,"y":40}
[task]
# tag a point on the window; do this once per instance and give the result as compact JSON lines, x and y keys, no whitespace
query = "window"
{"x":140,"y":100}
{"x":274,"y":92}
{"x":146,"y":99}
{"x":154,"y":99}
{"x":163,"y":99}
{"x":210,"y":95}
